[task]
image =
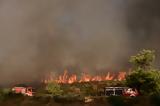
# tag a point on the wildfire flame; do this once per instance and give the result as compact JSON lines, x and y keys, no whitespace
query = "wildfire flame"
{"x":66,"y":78}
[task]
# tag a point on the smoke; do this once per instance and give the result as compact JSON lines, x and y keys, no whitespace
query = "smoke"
{"x":143,"y":21}
{"x":38,"y":36}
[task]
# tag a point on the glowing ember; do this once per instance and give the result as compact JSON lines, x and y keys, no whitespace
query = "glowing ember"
{"x":66,"y":78}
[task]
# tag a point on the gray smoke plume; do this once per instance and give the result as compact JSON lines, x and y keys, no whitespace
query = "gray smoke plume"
{"x":143,"y":22}
{"x":38,"y":36}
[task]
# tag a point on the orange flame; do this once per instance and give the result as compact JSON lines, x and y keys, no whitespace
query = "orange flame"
{"x":66,"y":78}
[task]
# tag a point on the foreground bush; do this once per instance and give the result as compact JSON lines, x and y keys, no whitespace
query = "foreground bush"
{"x":5,"y":93}
{"x":54,"y":89}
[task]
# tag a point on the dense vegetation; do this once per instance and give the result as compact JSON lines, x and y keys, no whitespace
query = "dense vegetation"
{"x":144,"y":76}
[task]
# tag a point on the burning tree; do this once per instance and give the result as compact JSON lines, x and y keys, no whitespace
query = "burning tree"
{"x":144,"y":76}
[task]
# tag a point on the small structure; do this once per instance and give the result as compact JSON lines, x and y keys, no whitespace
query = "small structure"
{"x":22,"y":89}
{"x":120,"y":91}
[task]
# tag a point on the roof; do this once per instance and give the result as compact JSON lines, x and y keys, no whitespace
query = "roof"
{"x":115,"y":87}
{"x":20,"y":85}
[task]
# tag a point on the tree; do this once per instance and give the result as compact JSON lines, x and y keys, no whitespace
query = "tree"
{"x":143,"y":60}
{"x":144,"y":77}
{"x":147,"y":83}
{"x":54,"y":88}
